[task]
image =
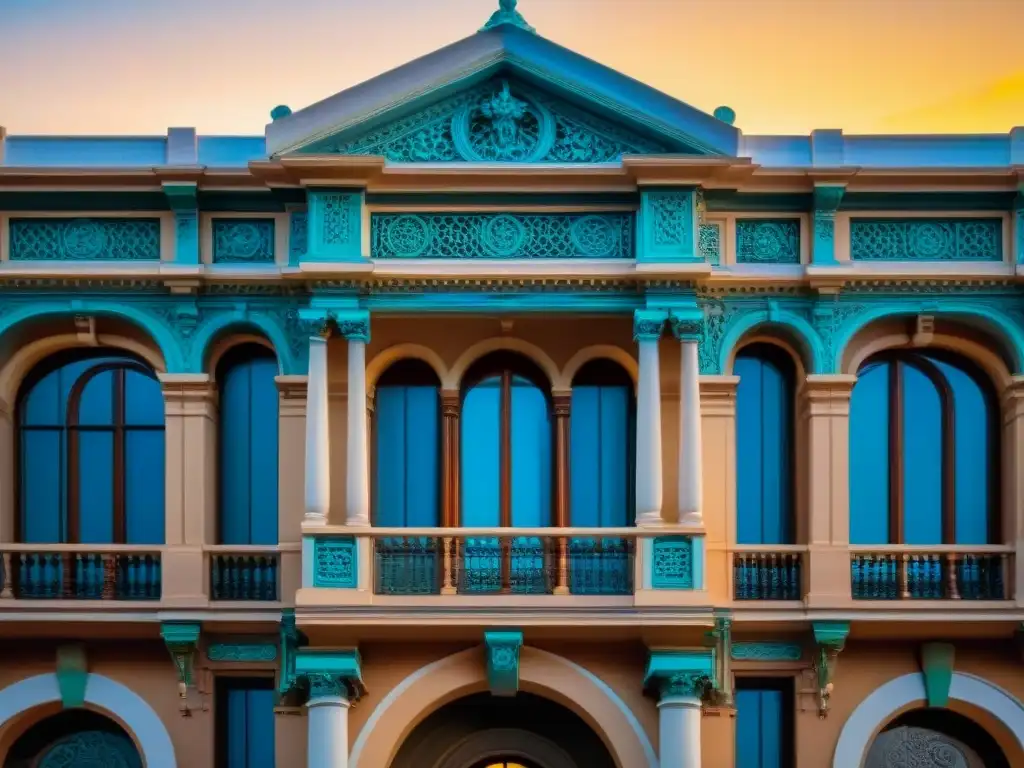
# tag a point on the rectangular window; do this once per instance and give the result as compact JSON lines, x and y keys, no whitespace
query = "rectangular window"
{"x":245,"y":722}
{"x":764,"y":722}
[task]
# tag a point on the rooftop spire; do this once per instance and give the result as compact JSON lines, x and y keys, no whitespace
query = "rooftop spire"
{"x":507,"y":14}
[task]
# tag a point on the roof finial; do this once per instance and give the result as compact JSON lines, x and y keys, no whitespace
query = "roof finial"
{"x":507,"y":14}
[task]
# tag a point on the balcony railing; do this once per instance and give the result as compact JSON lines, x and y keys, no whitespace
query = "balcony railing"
{"x":80,"y":572}
{"x":769,"y":572}
{"x":930,"y":573}
{"x":533,"y":564}
{"x":249,"y":573}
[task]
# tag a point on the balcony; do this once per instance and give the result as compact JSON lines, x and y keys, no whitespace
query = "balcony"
{"x":81,"y":572}
{"x":244,"y":573}
{"x":977,"y":573}
{"x":768,"y":572}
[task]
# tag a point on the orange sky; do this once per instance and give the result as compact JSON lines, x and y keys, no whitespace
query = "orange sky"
{"x":785,"y":66}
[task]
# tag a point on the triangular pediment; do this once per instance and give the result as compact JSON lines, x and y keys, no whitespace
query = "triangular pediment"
{"x":503,"y":95}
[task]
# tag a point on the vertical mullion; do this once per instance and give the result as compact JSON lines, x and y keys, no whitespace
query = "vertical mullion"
{"x":119,"y":437}
{"x":948,"y":479}
{"x":505,"y":453}
{"x":896,"y":532}
{"x":250,"y":366}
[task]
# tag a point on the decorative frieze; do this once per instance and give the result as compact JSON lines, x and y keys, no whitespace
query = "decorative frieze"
{"x":502,"y":236}
{"x":335,"y":219}
{"x":767,"y":651}
{"x":767,"y":241}
{"x":926,"y":239}
{"x":242,"y":652}
{"x":334,"y":562}
{"x":86,"y":239}
{"x":668,"y":226}
{"x":709,"y":245}
{"x":243,"y":241}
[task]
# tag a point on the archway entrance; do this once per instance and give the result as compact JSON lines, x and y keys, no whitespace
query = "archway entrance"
{"x":76,"y":738}
{"x":482,"y":731}
{"x":935,"y":738}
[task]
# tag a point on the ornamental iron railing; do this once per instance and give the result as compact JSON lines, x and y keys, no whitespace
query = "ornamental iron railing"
{"x":944,"y":573}
{"x":81,"y":572}
{"x":766,"y":573}
{"x":245,"y":574}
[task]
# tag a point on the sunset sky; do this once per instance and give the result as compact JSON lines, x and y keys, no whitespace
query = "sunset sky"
{"x":785,"y":66}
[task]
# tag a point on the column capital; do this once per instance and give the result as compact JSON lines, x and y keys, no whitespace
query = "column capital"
{"x":679,"y":675}
{"x":314,"y":323}
{"x":686,"y":326}
{"x":354,"y":325}
{"x":648,"y":324}
{"x":331,"y":674}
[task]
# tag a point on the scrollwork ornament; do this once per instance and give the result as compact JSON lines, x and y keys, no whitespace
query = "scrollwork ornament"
{"x":84,"y":239}
{"x":686,"y":329}
{"x":503,"y":235}
{"x":647,"y":328}
{"x":504,"y":128}
{"x":408,"y":236}
{"x":354,"y":329}
{"x":685,"y":685}
{"x":322,"y":685}
{"x":593,"y":236}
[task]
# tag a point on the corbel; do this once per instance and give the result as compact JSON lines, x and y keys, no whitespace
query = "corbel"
{"x":291,"y":640}
{"x":502,"y":650}
{"x":827,"y":198}
{"x":85,"y":329}
{"x":720,"y":638}
{"x":183,"y":200}
{"x":924,"y":330}
{"x":72,"y":675}
{"x":937,"y":668}
{"x":182,"y":639}
{"x":830,"y":638}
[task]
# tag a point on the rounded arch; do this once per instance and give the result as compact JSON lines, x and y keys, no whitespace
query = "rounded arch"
{"x":896,"y":696}
{"x":864,"y":345}
{"x":453,"y":379}
{"x":125,"y":706}
{"x":993,"y":321}
{"x":601,"y":352}
{"x":222,"y":346}
{"x":28,"y":356}
{"x":234,"y":325}
{"x":540,"y":672}
{"x":800,"y":337}
{"x":388,"y":357}
{"x":148,"y":324}
{"x":762,"y":336}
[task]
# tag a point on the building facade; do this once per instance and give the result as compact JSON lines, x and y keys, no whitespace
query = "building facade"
{"x":503,"y":411}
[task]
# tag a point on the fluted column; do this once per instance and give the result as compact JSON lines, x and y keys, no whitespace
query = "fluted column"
{"x":318,"y":444}
{"x":690,"y":475}
{"x":647,"y":326}
{"x":355,"y":327}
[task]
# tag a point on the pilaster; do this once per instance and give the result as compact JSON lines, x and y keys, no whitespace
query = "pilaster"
{"x":824,"y":402}
{"x":827,"y":198}
{"x":190,"y":508}
{"x":1012,"y":406}
{"x":667,"y":225}
{"x":718,"y":431}
{"x":183,"y":200}
{"x":336,"y":225}
{"x":291,"y":459}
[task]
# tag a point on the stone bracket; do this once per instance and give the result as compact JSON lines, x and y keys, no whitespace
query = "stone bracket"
{"x":674,"y":673}
{"x":182,"y":639}
{"x":830,"y":638}
{"x":326,"y":673}
{"x":720,"y":639}
{"x":937,"y":668}
{"x":72,"y":675}
{"x":502,"y":650}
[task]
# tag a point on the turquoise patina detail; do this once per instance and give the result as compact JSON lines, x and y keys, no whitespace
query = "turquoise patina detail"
{"x":334,"y":673}
{"x":502,"y":650}
{"x":709,"y":243}
{"x":251,"y":652}
{"x":937,"y":661}
{"x":111,"y":750}
{"x":502,"y":121}
{"x":290,"y":640}
{"x":298,"y":236}
{"x":1018,"y":214}
{"x":181,"y":639}
{"x":926,"y":239}
{"x":72,"y":675}
{"x":502,"y":236}
{"x":507,"y":14}
{"x":827,"y":198}
{"x":334,"y":562}
{"x":667,"y":226}
{"x":182,"y":197}
{"x":830,"y":638}
{"x":767,"y":651}
{"x":335,"y":225}
{"x":86,"y":239}
{"x":767,"y":241}
{"x":680,"y":673}
{"x":243,"y":241}
{"x":677,"y":562}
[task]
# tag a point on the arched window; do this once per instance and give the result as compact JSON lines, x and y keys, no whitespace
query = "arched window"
{"x":764,"y":445}
{"x":407,"y":436}
{"x":924,"y":452}
{"x":506,"y":473}
{"x":91,"y":459}
{"x":248,"y":446}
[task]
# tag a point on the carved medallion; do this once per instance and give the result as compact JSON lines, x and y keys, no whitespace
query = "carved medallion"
{"x":84,"y":239}
{"x":503,"y":235}
{"x":503,"y":128}
{"x":407,"y":236}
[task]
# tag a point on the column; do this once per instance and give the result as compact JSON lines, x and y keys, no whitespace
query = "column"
{"x":679,"y":713}
{"x":562,"y":406}
{"x":1013,"y":462}
{"x":647,"y":327}
{"x":690,"y":475}
{"x":318,"y":444}
{"x":824,"y":403}
{"x":328,"y":723}
{"x":355,"y":327}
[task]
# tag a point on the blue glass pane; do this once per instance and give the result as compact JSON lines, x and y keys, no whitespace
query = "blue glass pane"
{"x":389,"y":413}
{"x":96,"y":404}
{"x":616,"y":465}
{"x":972,"y":430}
{"x":43,"y":404}
{"x":481,"y":452}
{"x":263,"y":450}
{"x":96,"y":487}
{"x":237,"y":721}
{"x":144,"y":487}
{"x":260,"y":730}
{"x":922,"y":459}
{"x":869,"y":456}
{"x":759,"y":728}
{"x":42,"y":485}
{"x":531,"y":456}
{"x":422,"y":457}
{"x":585,"y":457}
{"x":143,"y":400}
{"x":235,"y":442}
